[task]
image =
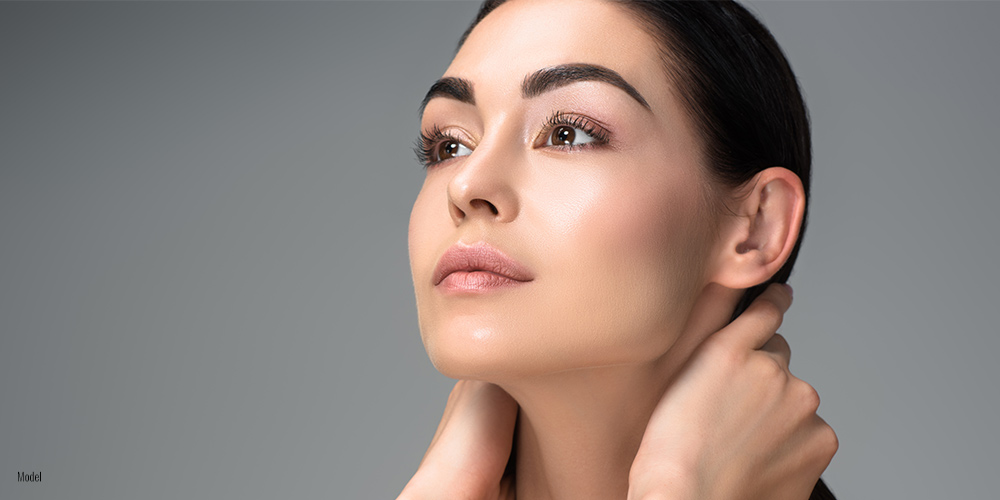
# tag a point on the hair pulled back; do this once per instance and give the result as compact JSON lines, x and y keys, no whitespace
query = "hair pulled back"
{"x":737,"y":88}
{"x":740,"y":93}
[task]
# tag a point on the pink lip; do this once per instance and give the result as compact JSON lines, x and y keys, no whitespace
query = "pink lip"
{"x":478,"y":267}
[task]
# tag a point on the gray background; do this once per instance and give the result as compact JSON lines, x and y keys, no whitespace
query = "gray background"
{"x":204,"y":283}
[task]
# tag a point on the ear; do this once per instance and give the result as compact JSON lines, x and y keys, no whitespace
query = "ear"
{"x":757,"y":241}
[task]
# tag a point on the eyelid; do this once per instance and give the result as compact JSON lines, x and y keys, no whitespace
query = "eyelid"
{"x":591,"y":126}
{"x":428,"y":142}
{"x":458,"y":133}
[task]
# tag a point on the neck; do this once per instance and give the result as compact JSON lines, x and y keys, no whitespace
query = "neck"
{"x":578,"y":431}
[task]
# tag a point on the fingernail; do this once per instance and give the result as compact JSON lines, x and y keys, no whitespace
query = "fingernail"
{"x":789,"y":288}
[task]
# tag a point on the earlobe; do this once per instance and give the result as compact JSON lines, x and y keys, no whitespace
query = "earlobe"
{"x":759,"y":239}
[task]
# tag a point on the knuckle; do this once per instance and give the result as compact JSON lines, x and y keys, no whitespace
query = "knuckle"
{"x":723,"y":353}
{"x":829,"y":442}
{"x":732,"y":359}
{"x":770,"y":369}
{"x":769,"y":313}
{"x":777,"y":371}
{"x":781,"y":342}
{"x":808,"y":396}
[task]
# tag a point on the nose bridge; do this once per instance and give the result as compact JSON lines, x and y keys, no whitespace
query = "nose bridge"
{"x":485,"y":184}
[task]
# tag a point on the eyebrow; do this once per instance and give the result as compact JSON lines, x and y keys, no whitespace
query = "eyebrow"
{"x":455,"y":88}
{"x":547,"y":79}
{"x":536,"y":83}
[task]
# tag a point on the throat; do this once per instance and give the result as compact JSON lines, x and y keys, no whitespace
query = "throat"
{"x":578,"y":432}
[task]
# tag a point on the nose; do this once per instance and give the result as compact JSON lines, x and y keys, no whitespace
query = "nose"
{"x":484,"y":187}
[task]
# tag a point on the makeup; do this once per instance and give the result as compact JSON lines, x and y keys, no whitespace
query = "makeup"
{"x":478,"y":268}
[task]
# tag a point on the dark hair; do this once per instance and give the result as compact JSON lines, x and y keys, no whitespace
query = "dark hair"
{"x":740,"y":93}
{"x":738,"y":89}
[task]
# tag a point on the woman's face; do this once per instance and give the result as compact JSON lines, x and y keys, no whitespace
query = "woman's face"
{"x":599,"y":198}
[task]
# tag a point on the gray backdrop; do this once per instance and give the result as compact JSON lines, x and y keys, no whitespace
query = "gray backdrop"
{"x":204,"y":283}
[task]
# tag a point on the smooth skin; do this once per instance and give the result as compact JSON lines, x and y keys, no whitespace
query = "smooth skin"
{"x":698,"y":443}
{"x":637,"y":257}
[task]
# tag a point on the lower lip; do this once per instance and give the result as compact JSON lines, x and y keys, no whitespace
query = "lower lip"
{"x":476,"y":282}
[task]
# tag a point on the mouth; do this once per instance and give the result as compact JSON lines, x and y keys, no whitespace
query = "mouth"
{"x":478,"y":267}
{"x":475,"y":281}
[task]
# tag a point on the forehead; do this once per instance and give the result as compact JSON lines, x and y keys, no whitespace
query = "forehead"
{"x":521,"y":36}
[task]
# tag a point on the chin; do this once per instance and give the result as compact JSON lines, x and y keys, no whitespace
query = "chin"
{"x":496,"y":340}
{"x":474,"y":354}
{"x":489,"y":368}
{"x":490,"y":356}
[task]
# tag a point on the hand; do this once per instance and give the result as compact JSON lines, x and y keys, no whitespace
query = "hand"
{"x":469,"y":451}
{"x":734,"y":423}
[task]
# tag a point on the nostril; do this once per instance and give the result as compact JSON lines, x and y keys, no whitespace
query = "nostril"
{"x":479,"y":202}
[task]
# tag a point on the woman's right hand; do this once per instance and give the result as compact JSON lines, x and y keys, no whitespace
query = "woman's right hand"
{"x":469,"y":451}
{"x":734,"y":423}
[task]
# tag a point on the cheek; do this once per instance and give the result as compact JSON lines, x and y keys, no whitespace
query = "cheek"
{"x":428,"y":230}
{"x":464,"y":339}
{"x":416,"y":246}
{"x":617,"y":253}
{"x":631,"y":253}
{"x":425,"y":235}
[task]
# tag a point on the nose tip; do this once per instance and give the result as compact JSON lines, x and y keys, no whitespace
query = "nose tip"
{"x":485,"y":184}
{"x":479,"y":196}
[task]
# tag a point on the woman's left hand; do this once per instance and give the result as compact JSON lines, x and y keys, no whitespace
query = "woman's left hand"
{"x":735,"y":423}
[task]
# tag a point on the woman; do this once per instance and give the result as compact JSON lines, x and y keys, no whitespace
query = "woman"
{"x":608,"y":184}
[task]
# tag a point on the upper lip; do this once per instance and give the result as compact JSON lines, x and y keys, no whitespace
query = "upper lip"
{"x":479,"y":257}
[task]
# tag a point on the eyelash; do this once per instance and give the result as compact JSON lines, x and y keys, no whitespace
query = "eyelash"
{"x":425,"y":147}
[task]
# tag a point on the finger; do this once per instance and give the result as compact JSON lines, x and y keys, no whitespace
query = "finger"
{"x":471,"y":446}
{"x":761,"y":320}
{"x":474,"y":405}
{"x":454,"y":399}
{"x":477,"y":429}
{"x":777,"y":346}
{"x":712,"y":310}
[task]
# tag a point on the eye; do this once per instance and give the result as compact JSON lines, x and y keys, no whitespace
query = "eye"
{"x":451,"y":149}
{"x":566,"y":135}
{"x":570,"y":132}
{"x":436,"y":146}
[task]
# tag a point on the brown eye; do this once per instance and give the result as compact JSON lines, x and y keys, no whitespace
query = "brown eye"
{"x":451,"y":149}
{"x":447,"y":149}
{"x":563,"y":135}
{"x":569,"y":136}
